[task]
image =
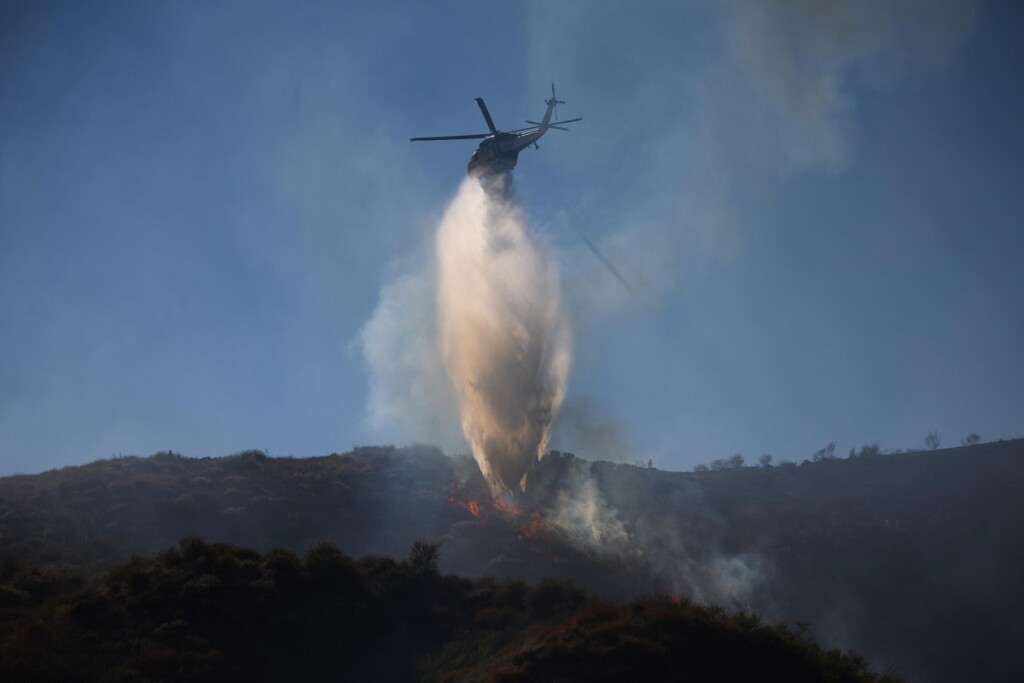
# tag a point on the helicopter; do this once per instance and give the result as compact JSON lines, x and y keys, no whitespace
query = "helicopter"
{"x":499,"y":151}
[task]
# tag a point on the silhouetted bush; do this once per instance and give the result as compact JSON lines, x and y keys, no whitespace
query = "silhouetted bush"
{"x":325,"y":563}
{"x":424,"y":557}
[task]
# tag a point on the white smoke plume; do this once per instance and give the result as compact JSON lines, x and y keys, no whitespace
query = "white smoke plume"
{"x":676,"y":536}
{"x":410,"y":397}
{"x":503,"y":338}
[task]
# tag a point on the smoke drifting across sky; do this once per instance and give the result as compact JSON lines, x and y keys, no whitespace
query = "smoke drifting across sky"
{"x":815,"y":205}
{"x":776,"y":95}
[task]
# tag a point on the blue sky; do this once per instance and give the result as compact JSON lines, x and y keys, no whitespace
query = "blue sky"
{"x":818,"y":208}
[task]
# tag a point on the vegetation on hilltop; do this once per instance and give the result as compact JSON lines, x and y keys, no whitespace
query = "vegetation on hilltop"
{"x":216,"y":612}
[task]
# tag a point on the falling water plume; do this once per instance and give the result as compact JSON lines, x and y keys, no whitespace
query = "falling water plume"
{"x":503,"y":338}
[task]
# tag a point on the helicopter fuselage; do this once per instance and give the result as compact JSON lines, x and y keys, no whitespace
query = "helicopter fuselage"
{"x":499,"y":150}
{"x":499,"y":153}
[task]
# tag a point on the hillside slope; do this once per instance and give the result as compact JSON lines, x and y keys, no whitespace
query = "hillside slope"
{"x":914,"y":559}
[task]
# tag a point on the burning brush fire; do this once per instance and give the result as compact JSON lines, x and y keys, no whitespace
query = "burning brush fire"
{"x":528,"y":522}
{"x":470,"y":505}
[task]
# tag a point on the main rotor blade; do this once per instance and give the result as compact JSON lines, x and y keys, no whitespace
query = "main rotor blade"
{"x":487,"y":114}
{"x":551,"y":125}
{"x":452,"y":137}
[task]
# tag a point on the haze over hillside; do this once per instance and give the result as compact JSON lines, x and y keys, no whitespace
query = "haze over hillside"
{"x":913,"y":559}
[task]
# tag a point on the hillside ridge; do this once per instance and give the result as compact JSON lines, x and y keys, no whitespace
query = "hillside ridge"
{"x":912,"y":559}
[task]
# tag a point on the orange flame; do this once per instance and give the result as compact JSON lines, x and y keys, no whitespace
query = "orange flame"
{"x":530,"y":523}
{"x":469,"y":505}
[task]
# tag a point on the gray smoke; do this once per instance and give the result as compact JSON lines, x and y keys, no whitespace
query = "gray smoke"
{"x":766,"y":94}
{"x":584,"y":429}
{"x":676,"y":535}
{"x":410,"y":396}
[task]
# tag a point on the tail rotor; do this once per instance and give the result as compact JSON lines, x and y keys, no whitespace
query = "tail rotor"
{"x":554,"y":101}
